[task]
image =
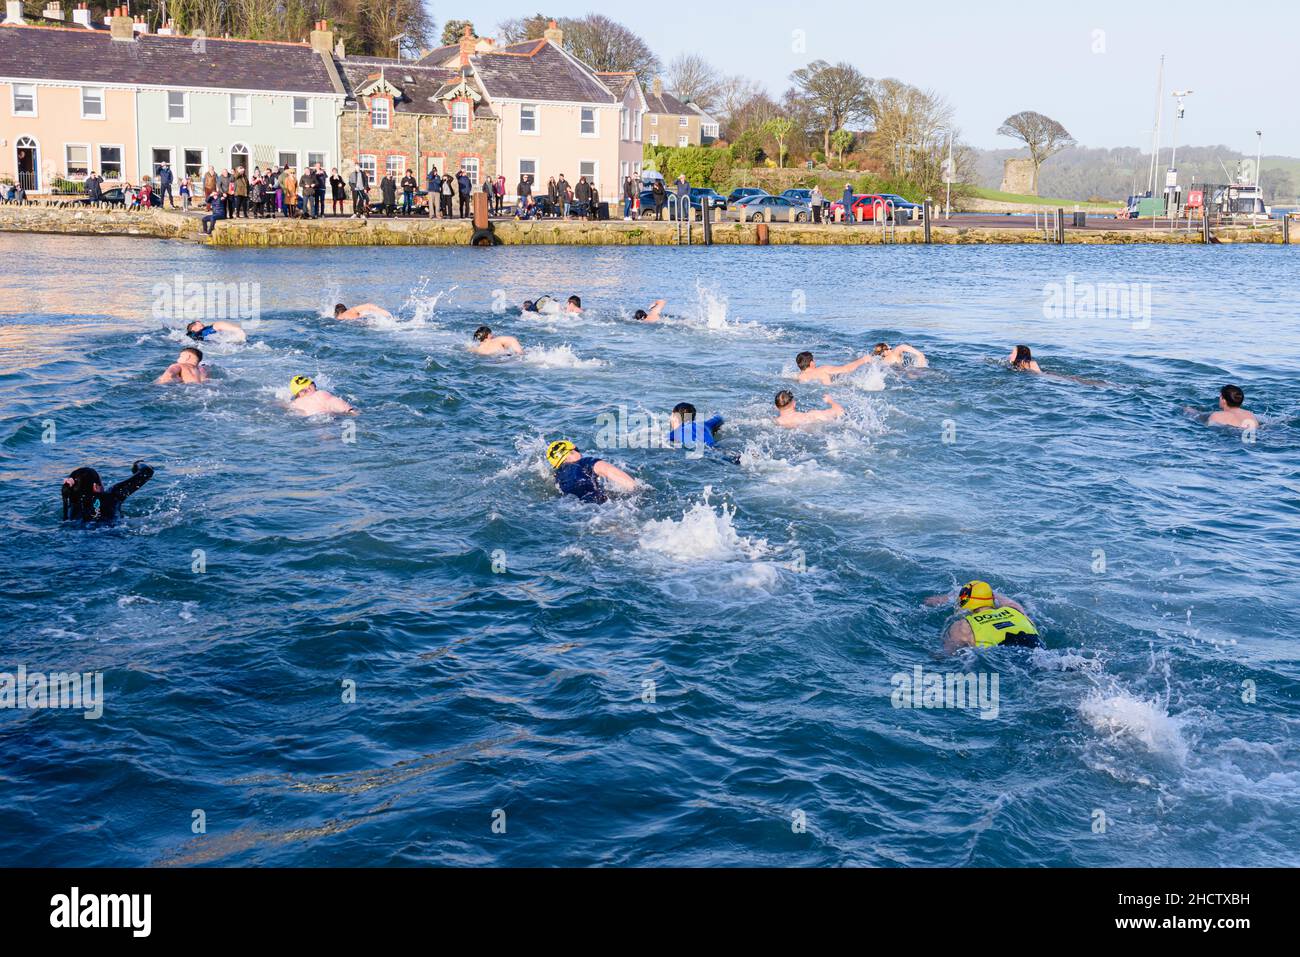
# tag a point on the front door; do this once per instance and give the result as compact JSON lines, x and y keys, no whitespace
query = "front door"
{"x":28,"y":163}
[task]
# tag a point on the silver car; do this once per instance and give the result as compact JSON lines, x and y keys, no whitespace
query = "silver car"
{"x":773,"y":209}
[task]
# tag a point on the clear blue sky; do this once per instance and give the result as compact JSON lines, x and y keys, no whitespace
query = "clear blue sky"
{"x":994,"y":58}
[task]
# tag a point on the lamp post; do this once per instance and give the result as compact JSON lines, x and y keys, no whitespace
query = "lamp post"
{"x":948,"y":173}
{"x":1259,"y":156}
{"x":1179,"y":95}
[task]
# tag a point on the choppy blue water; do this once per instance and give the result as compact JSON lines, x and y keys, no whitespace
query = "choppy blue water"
{"x":504,"y":642}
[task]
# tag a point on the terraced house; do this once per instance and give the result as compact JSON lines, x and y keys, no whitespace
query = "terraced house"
{"x":402,"y":115}
{"x":121,"y":101}
{"x":674,"y":122}
{"x":551,"y":113}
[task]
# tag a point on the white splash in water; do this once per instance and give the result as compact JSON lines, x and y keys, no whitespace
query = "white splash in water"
{"x":1145,"y":721}
{"x":559,"y":357}
{"x":705,"y":533}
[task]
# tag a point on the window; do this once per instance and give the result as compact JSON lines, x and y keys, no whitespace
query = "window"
{"x":654,"y":139}
{"x":286,"y":158}
{"x":178,"y":107}
{"x":301,"y":111}
{"x":682,"y":120}
{"x":92,"y":102}
{"x":528,"y":118}
{"x":241,"y":109}
{"x":470,"y":164}
{"x":587,"y":122}
{"x":378,"y":113}
{"x":588,"y":169}
{"x":24,"y":99}
{"x":625,"y":126}
{"x":528,"y":167}
{"x":654,"y":119}
{"x":317,"y":159}
{"x":194,"y":162}
{"x":161,"y":154}
{"x":367,"y":163}
{"x":395,"y":166}
{"x":710,"y":129}
{"x":460,"y":117}
{"x":436,"y":161}
{"x":683,"y":140}
{"x":77,"y":159}
{"x":110,"y":162}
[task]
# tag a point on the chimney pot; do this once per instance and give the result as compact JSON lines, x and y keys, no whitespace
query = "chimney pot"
{"x":120,"y":25}
{"x":554,"y":34}
{"x":14,"y":12}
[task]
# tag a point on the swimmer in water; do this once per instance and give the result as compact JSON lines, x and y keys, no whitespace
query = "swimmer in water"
{"x":1230,"y":411}
{"x":787,"y":417}
{"x":84,"y":498}
{"x":986,"y":620}
{"x":187,"y":368}
{"x":896,"y":355}
{"x":363,"y":311}
{"x":544,"y":304}
{"x":653,"y":315}
{"x":576,"y":474}
{"x":489,"y":345}
{"x":810,"y":371}
{"x":309,"y":400}
{"x":1022,"y":360}
{"x":573,"y":307}
{"x":199,"y":332}
{"x":683,"y":429}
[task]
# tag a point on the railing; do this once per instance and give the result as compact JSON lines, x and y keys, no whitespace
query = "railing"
{"x":888,"y":222}
{"x":675,"y":204}
{"x":28,"y":180}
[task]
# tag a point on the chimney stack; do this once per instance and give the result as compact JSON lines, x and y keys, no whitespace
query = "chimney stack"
{"x":120,"y":25}
{"x":14,"y":12}
{"x":554,"y":34}
{"x":322,"y":37}
{"x":168,"y":29}
{"x":81,"y":16}
{"x":467,"y":43}
{"x":54,"y":11}
{"x":657,"y":87}
{"x":140,"y":25}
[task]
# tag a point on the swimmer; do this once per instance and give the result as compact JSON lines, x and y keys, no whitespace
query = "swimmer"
{"x":84,"y":498}
{"x":1022,"y":360}
{"x":576,"y":474}
{"x":199,"y":332}
{"x":895,"y":355}
{"x":986,"y":620}
{"x":188,"y":368}
{"x":653,"y":315}
{"x":573,"y":307}
{"x":490,"y":345}
{"x":544,"y":304}
{"x":788,"y":417}
{"x":309,"y":400}
{"x":684,"y":430}
{"x":1230,"y":411}
{"x":365,"y":310}
{"x":810,"y":371}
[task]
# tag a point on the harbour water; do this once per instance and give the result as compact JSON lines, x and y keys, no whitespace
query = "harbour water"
{"x":389,"y":641}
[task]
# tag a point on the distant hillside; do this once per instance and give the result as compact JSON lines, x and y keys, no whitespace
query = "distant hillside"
{"x":1083,"y":173}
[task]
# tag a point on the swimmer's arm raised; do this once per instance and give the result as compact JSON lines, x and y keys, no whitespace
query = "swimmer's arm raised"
{"x":918,"y":357}
{"x":230,"y":329}
{"x":172,"y":374}
{"x":614,"y":475}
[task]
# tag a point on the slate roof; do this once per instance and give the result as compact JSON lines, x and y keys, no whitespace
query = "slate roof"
{"x":422,"y":85}
{"x":666,"y":103}
{"x":78,"y":55}
{"x":617,"y":82}
{"x":531,"y":70}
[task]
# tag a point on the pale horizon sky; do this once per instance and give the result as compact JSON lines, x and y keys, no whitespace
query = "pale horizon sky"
{"x":992,"y":59}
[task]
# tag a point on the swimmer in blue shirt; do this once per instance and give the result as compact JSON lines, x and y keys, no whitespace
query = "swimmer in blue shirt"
{"x":577,"y":474}
{"x":684,"y":430}
{"x":200,"y":332}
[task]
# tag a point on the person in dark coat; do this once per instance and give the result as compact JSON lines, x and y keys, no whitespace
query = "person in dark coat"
{"x":388,"y":190}
{"x":338,"y":191}
{"x":432,"y":187}
{"x":94,"y":187}
{"x":165,"y":179}
{"x":629,"y":196}
{"x":408,"y":192}
{"x":465,"y":188}
{"x":217,"y":203}
{"x":847,"y":201}
{"x":241,"y":193}
{"x":660,"y":197}
{"x":445,"y":193}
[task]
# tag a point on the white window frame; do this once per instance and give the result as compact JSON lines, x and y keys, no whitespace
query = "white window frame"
{"x":594,"y":178}
{"x":529,"y":159}
{"x":89,"y":156}
{"x":13,"y":100}
{"x":203,"y":160}
{"x":171,"y":158}
{"x":247,"y":151}
{"x":121,"y":162}
{"x":474,"y":178}
{"x":296,"y":165}
{"x":398,"y":173}
{"x":654,"y":139}
{"x":683,"y":140}
{"x":387,"y":104}
{"x":537,"y":119}
{"x":624,"y":124}
{"x":683,"y":121}
{"x":372,"y":171}
{"x":456,"y":115}
{"x":103,"y":104}
{"x":185,"y":106}
{"x":654,"y":119}
{"x":595,"y":122}
{"x":293,"y":112}
{"x":324,"y":158}
{"x":230,"y":108}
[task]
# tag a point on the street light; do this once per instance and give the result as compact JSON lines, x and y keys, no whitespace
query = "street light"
{"x":1179,"y":95}
{"x":948,"y":173}
{"x":1259,"y":158}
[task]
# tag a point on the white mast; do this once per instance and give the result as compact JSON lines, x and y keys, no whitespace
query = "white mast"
{"x":1155,"y":134}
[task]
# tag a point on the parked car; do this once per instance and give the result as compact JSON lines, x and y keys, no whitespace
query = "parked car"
{"x":701,"y":194}
{"x":837,"y":205}
{"x":113,"y":196}
{"x":899,"y":202}
{"x":770,"y":209}
{"x":744,"y":192}
{"x":802,"y":196}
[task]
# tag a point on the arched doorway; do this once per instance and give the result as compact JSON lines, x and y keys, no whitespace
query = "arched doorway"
{"x":27,"y":160}
{"x":239,"y":156}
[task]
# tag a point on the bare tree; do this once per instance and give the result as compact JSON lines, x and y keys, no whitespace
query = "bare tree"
{"x":605,"y":45}
{"x":519,"y":29}
{"x":838,"y":93}
{"x":1043,"y":136}
{"x":693,"y":79}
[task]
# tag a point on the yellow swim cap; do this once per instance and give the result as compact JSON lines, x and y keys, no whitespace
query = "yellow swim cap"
{"x":298,"y":383}
{"x":976,"y":595}
{"x":557,"y":452}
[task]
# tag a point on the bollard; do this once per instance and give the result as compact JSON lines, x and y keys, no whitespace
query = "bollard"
{"x":927,"y":222}
{"x":760,"y":234}
{"x":1205,"y":225}
{"x":1060,"y":226}
{"x":706,"y":212}
{"x":1286,"y":230}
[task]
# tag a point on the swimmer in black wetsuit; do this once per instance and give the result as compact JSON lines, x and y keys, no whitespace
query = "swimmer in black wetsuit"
{"x":201,"y":333}
{"x":82,"y":490}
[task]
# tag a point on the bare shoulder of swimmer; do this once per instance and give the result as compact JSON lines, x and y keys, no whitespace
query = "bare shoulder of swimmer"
{"x":1002,"y":599}
{"x":958,"y":635}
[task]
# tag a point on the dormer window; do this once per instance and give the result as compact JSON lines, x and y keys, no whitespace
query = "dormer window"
{"x":460,"y":117}
{"x":379,"y":113}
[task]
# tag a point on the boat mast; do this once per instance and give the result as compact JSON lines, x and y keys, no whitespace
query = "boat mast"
{"x":1155,"y":133}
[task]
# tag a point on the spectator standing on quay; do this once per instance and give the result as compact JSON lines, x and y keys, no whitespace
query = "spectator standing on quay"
{"x":466,"y":189}
{"x":388,"y":193}
{"x":629,"y":196}
{"x":338,"y":191}
{"x":408,"y":193}
{"x":165,"y":178}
